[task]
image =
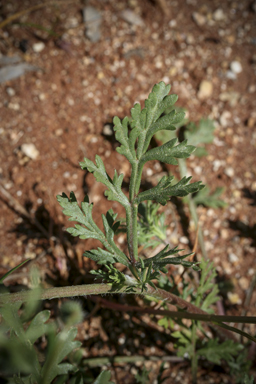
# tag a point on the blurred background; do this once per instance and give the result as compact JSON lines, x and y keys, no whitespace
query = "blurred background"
{"x":68,"y":67}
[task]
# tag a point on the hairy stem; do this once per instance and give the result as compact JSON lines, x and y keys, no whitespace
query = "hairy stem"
{"x":194,"y":358}
{"x":132,"y":216}
{"x":192,"y":208}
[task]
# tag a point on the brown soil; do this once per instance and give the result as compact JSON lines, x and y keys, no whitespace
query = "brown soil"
{"x":62,"y":109}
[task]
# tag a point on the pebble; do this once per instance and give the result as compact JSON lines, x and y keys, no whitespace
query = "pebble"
{"x":225,"y":118}
{"x":184,"y":240}
{"x":234,"y":298}
{"x":231,"y":97}
{"x":198,"y":18}
{"x":233,"y":258}
{"x":14,"y":106}
{"x":205,"y":89}
{"x":216,"y":165}
{"x":92,"y":19}
{"x":10,"y":91}
{"x":244,"y":283}
{"x":236,"y":67}
{"x":38,"y":47}
{"x":219,"y":15}
{"x":132,"y":18}
{"x":30,"y":151}
{"x":230,"y":75}
{"x":224,"y":234}
{"x":229,"y":171}
{"x":107,"y":130}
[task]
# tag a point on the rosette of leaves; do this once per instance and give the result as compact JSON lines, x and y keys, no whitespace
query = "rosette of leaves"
{"x":134,"y":136}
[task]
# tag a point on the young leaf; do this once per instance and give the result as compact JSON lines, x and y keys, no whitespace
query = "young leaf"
{"x":127,"y":147}
{"x":201,"y":134}
{"x":207,"y":199}
{"x":60,"y":346}
{"x":12,"y":270}
{"x":168,"y":152}
{"x":164,"y":190}
{"x":214,"y":352}
{"x":114,"y":191}
{"x":159,"y":261}
{"x":100,"y":256}
{"x":89,"y":229}
{"x":104,"y":378}
{"x":148,"y":121}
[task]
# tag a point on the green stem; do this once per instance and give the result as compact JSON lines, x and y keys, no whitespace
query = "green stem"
{"x":192,"y":208}
{"x":194,"y":358}
{"x":99,"y":361}
{"x":132,"y":215}
{"x":192,"y":312}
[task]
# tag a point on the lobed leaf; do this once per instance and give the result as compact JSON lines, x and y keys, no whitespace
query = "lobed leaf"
{"x":208,"y":199}
{"x":127,"y":147}
{"x":101,"y":256}
{"x":164,"y":190}
{"x":214,"y":352}
{"x":168,"y":152}
{"x":114,"y":191}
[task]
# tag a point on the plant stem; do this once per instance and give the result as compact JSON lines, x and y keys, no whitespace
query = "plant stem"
{"x":132,"y":216}
{"x":194,"y":358}
{"x":192,"y":208}
{"x":99,"y":361}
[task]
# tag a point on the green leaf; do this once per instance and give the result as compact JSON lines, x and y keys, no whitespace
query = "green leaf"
{"x":13,"y":270}
{"x":60,"y":346}
{"x":201,"y":134}
{"x":82,"y":216}
{"x":37,"y":327}
{"x":89,"y":229}
{"x":100,"y":256}
{"x":168,"y":152}
{"x":207,"y":199}
{"x":114,"y":191}
{"x":104,"y":378}
{"x":147,"y":122}
{"x":214,"y":352}
{"x":164,"y":190}
{"x":128,"y":143}
{"x":161,"y":259}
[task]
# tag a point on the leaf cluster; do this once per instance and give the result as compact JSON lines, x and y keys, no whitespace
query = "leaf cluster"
{"x":134,"y":136}
{"x":18,"y":343}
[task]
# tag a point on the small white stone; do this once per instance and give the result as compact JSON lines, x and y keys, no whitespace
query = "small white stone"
{"x":205,"y":90}
{"x":149,"y":172}
{"x":225,"y":118}
{"x":184,"y":240}
{"x":10,"y":91}
{"x":229,"y":172}
{"x":244,"y":283}
{"x":199,"y":19}
{"x":216,"y":165}
{"x":198,"y":170}
{"x":231,"y":75}
{"x":14,"y":106}
{"x":236,"y":67}
{"x":38,"y":47}
{"x":107,"y":130}
{"x":30,"y":151}
{"x":42,"y":96}
{"x":234,"y":298}
{"x":219,"y":15}
{"x":233,"y":258}
{"x":94,"y":140}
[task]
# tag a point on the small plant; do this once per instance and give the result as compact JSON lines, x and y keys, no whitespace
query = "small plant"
{"x":144,"y":276}
{"x":135,"y":137}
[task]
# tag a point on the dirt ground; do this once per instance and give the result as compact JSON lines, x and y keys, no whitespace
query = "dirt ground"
{"x":64,"y":108}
